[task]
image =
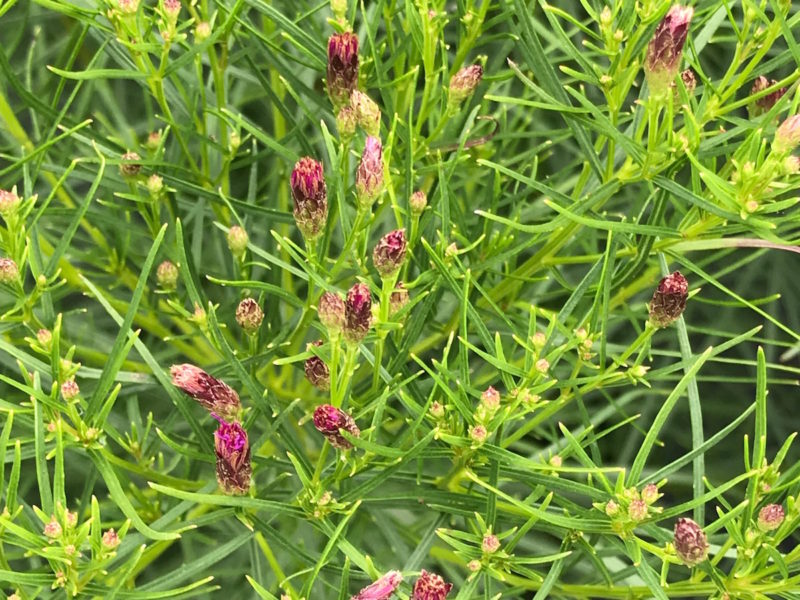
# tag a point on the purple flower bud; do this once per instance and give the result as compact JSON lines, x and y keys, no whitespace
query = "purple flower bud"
{"x":417,"y":202}
{"x":167,"y":275}
{"x":130,"y":167}
{"x":369,"y":175}
{"x":666,"y":49}
{"x":317,"y":372}
{"x":357,"y":313}
{"x":398,"y":298}
{"x":213,"y":394}
{"x":691,"y":544}
{"x":763,"y":104}
{"x":430,"y":586}
{"x":9,"y":271}
{"x":770,"y":517}
{"x":110,"y":539}
{"x":788,"y":135}
{"x":237,"y":239}
{"x":53,"y":529}
{"x":331,"y":310}
{"x":70,"y":390}
{"x":9,"y":202}
{"x":346,"y":121}
{"x":389,"y":253}
{"x":368,"y":114}
{"x":491,"y":399}
{"x":233,"y":458}
{"x":342,"y":67}
{"x":249,"y":315}
{"x":310,"y":197}
{"x":490,"y":543}
{"x":464,"y":83}
{"x":329,"y":420}
{"x":669,"y":300}
{"x":383,"y":589}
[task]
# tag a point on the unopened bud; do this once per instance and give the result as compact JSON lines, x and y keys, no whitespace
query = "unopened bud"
{"x":389,"y":253}
{"x":689,"y":80}
{"x":331,"y":310}
{"x":329,"y":420}
{"x":691,"y":544}
{"x":770,"y":517}
{"x":357,"y":313}
{"x":167,"y":275}
{"x":398,"y":299}
{"x":155,"y":184}
{"x":9,"y":271}
{"x":542,"y":365}
{"x":172,"y":9}
{"x":233,"y":458}
{"x":417,"y":202}
{"x":669,"y":300}
{"x":612,"y":508}
{"x":382,"y":589}
{"x":650,"y":493}
{"x":430,"y":586}
{"x":339,"y":9}
{"x":474,"y":565}
{"x":763,"y":104}
{"x":369,"y":175}
{"x":110,"y":539}
{"x":342,"y":67}
{"x":463,"y":84}
{"x":637,"y":510}
{"x":128,"y":7}
{"x":53,"y":529}
{"x":666,"y":49}
{"x":9,"y":203}
{"x":237,"y":241}
{"x":153,"y":141}
{"x":346,"y":121}
{"x":202,"y":31}
{"x":310,"y":196}
{"x":491,"y":399}
{"x":130,"y":167}
{"x":490,"y":543}
{"x":213,"y":394}
{"x":478,"y":433}
{"x":70,"y":390}
{"x":787,"y":137}
{"x":367,"y":112}
{"x":317,"y":372}
{"x":436,"y":410}
{"x":249,"y":315}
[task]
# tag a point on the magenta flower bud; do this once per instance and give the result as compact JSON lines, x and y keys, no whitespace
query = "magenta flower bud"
{"x":70,"y":390}
{"x":331,"y":310}
{"x":430,"y":586}
{"x":398,"y":298}
{"x":317,"y":371}
{"x":369,"y":175}
{"x":346,"y":121}
{"x":691,"y":544}
{"x":213,"y":394}
{"x":666,"y":49}
{"x":368,"y":114}
{"x":342,"y":67}
{"x":357,"y":313}
{"x":233,"y":458}
{"x":637,"y":510}
{"x":329,"y":420}
{"x":110,"y":539}
{"x":310,"y":197}
{"x":9,"y":202}
{"x":689,"y":80}
{"x":763,"y":104}
{"x":417,"y":202}
{"x":130,"y":167}
{"x":463,"y":84}
{"x":770,"y":517}
{"x":389,"y":253}
{"x":383,"y":589}
{"x":249,"y":315}
{"x":167,"y":275}
{"x":669,"y":300}
{"x":788,"y":135}
{"x":172,"y":9}
{"x":9,"y":271}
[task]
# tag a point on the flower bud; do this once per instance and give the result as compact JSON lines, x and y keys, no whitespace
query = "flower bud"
{"x":70,"y":390}
{"x":417,"y":202}
{"x":310,"y":197}
{"x":436,"y":410}
{"x":233,"y":458}
{"x":9,"y":203}
{"x":691,"y":544}
{"x":339,"y":9}
{"x":666,"y":49}
{"x":128,"y":7}
{"x":382,"y":589}
{"x":9,"y":271}
{"x":329,"y":420}
{"x":474,"y":565}
{"x":317,"y":372}
{"x":110,"y":539}
{"x":669,"y":300}
{"x":463,"y":84}
{"x":430,"y":586}
{"x":249,"y":315}
{"x":788,"y":135}
{"x":367,"y":113}
{"x":213,"y":394}
{"x":346,"y":121}
{"x":130,"y":167}
{"x":172,"y":9}
{"x":45,"y":338}
{"x":342,"y":67}
{"x":490,"y":543}
{"x":153,"y":141}
{"x":398,"y":299}
{"x":357,"y":313}
{"x":155,"y":184}
{"x":202,"y":32}
{"x":167,"y":275}
{"x":770,"y":517}
{"x":763,"y":104}
{"x":331,"y":310}
{"x":389,"y":253}
{"x":612,"y":508}
{"x":491,"y":399}
{"x":637,"y":510}
{"x":53,"y":528}
{"x":650,"y":493}
{"x":369,"y":175}
{"x":237,"y":241}
{"x":542,"y":365}
{"x":689,"y":80}
{"x":478,"y":433}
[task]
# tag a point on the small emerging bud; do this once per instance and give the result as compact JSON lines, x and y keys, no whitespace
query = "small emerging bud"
{"x":542,"y":365}
{"x":398,"y":298}
{"x":128,"y":7}
{"x":110,"y":539}
{"x":342,"y":67}
{"x":612,"y":508}
{"x":490,"y":543}
{"x":478,"y":433}
{"x":491,"y":399}
{"x":53,"y":529}
{"x":763,"y":104}
{"x":331,"y":310}
{"x":788,"y":135}
{"x":70,"y":390}
{"x":202,"y":32}
{"x":689,"y":80}
{"x":369,"y":175}
{"x":71,"y":518}
{"x":650,"y":493}
{"x":329,"y":420}
{"x":237,"y":241}
{"x":130,"y":167}
{"x":153,"y":141}
{"x":155,"y":184}
{"x":474,"y":565}
{"x":9,"y":271}
{"x":167,"y":275}
{"x":357,"y":313}
{"x":382,"y":589}
{"x":310,"y":197}
{"x":368,"y":114}
{"x":172,"y":9}
{"x":417,"y":202}
{"x":317,"y":372}
{"x":389,"y":253}
{"x":430,"y":586}
{"x":339,"y":9}
{"x":669,"y":300}
{"x":249,"y":315}
{"x":637,"y":510}
{"x":770,"y":517}
{"x":9,"y":202}
{"x":463,"y":84}
{"x":233,"y":458}
{"x":346,"y":121}
{"x":436,"y":410}
{"x":666,"y":49}
{"x":691,"y":544}
{"x":213,"y":394}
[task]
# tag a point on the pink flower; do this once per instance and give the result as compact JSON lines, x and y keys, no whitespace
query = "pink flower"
{"x":213,"y":394}
{"x":233,"y":458}
{"x":383,"y":589}
{"x":430,"y":586}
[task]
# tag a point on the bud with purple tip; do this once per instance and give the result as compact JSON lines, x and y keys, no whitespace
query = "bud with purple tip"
{"x":666,"y":49}
{"x":369,"y":175}
{"x":430,"y":586}
{"x":249,"y":315}
{"x":787,"y":137}
{"x":9,"y":203}
{"x":317,"y":371}
{"x":382,"y":589}
{"x":417,"y":202}
{"x":331,"y":310}
{"x":389,"y":253}
{"x":310,"y":196}
{"x":357,"y":313}
{"x":689,"y":80}
{"x":669,"y":300}
{"x":368,"y":114}
{"x":233,"y":458}
{"x":691,"y":544}
{"x":342,"y":67}
{"x":9,"y":271}
{"x":763,"y":104}
{"x":770,"y":517}
{"x":213,"y":394}
{"x":329,"y":420}
{"x":463,"y":84}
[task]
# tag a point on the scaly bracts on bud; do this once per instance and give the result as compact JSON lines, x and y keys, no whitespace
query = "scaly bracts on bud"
{"x":213,"y":394}
{"x":342,"y":67}
{"x":691,"y":544}
{"x":763,"y":104}
{"x":463,"y":84}
{"x":369,"y":175}
{"x":689,"y":80}
{"x":669,"y":300}
{"x":430,"y":586}
{"x":357,"y":313}
{"x":398,"y":299}
{"x":389,"y":253}
{"x":310,"y":197}
{"x":233,"y":458}
{"x":346,"y":121}
{"x":249,"y":315}
{"x":167,"y":275}
{"x":130,"y":167}
{"x":9,"y":203}
{"x":770,"y":517}
{"x":329,"y":420}
{"x":382,"y":589}
{"x":666,"y":49}
{"x":417,"y":202}
{"x":317,"y":371}
{"x":9,"y":271}
{"x":368,"y":114}
{"x":331,"y":310}
{"x":237,"y":239}
{"x":787,"y":137}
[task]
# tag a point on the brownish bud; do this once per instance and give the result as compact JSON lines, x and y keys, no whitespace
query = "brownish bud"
{"x":691,"y":544}
{"x":669,"y":300}
{"x":130,"y":167}
{"x":213,"y":394}
{"x":310,"y":196}
{"x":463,"y":84}
{"x":329,"y":420}
{"x":331,"y":310}
{"x":249,"y":315}
{"x":317,"y":371}
{"x":357,"y":313}
{"x":389,"y":253}
{"x":233,"y":458}
{"x":666,"y":49}
{"x":342,"y":67}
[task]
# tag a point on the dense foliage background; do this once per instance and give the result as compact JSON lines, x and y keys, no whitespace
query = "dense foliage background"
{"x":558,"y":194}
